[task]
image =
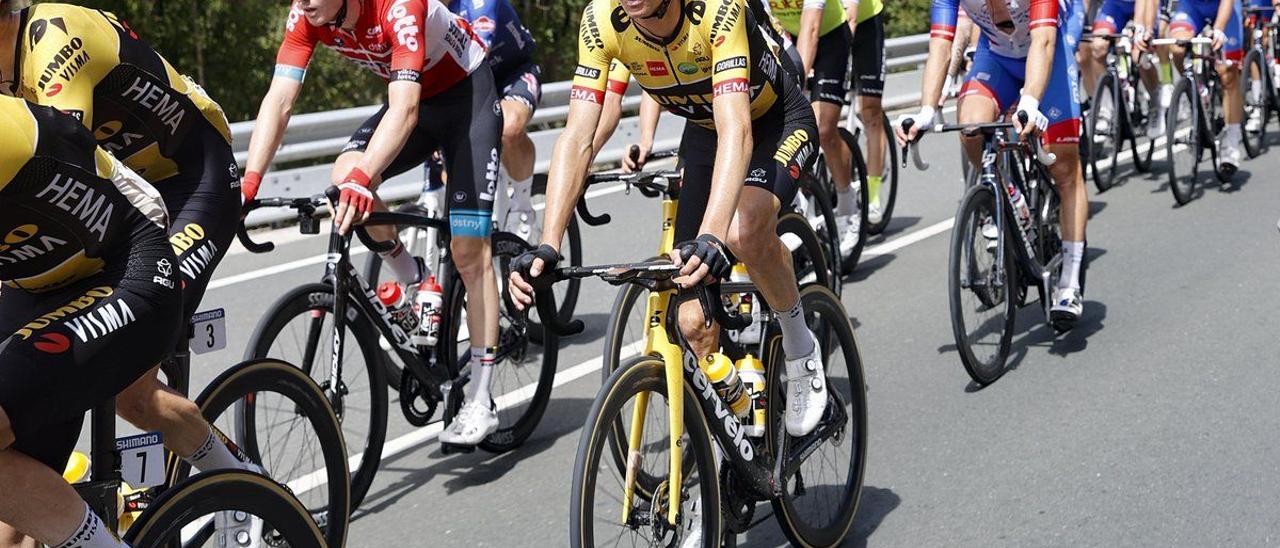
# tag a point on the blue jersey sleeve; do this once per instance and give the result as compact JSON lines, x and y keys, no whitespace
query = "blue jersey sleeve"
{"x":942,"y":19}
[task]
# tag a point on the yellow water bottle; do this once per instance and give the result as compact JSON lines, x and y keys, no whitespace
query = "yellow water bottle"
{"x":724,"y":378}
{"x":751,"y":371}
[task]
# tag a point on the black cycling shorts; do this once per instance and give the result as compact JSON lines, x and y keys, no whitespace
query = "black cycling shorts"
{"x":868,"y":56}
{"x":66,"y":351}
{"x":524,"y":84}
{"x":203,"y":202}
{"x":786,"y":144}
{"x":831,"y":67}
{"x":465,"y":122}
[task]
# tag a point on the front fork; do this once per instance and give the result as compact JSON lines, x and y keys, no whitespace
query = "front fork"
{"x":658,"y":343}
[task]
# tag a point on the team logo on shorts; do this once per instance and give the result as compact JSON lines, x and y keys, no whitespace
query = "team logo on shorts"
{"x":459,"y":196}
{"x":53,"y":343}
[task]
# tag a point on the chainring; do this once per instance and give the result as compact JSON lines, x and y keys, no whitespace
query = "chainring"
{"x":737,"y":508}
{"x":411,"y":394}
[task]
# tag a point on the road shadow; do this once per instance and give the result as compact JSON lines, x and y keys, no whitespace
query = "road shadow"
{"x":458,"y":472}
{"x":1096,"y":207}
{"x":868,"y":266}
{"x":1237,"y":182}
{"x":897,"y":225}
{"x":595,"y":324}
{"x":875,"y":505}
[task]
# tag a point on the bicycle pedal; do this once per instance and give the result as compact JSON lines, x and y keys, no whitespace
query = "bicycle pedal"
{"x":451,"y":449}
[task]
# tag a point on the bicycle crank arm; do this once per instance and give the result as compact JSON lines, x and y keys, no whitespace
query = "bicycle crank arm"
{"x":832,"y":425}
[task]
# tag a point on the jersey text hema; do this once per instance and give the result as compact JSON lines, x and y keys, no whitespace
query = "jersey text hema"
{"x":159,"y":101}
{"x":81,"y":201}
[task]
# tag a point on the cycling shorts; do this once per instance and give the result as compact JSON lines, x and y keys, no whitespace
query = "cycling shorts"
{"x":1190,"y":15}
{"x":524,"y":84}
{"x":67,"y":351}
{"x":203,"y":202}
{"x":868,"y":56}
{"x":786,"y":144}
{"x":1113,"y":16}
{"x":831,"y":67}
{"x":1001,"y":78}
{"x":465,"y":123}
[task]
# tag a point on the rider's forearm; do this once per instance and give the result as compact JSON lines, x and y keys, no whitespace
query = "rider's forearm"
{"x":1224,"y":14}
{"x":392,"y":132}
{"x":569,"y":161}
{"x":1039,"y":61}
{"x":650,"y":110}
{"x":268,"y":130}
{"x":610,"y":115}
{"x":807,"y":41}
{"x":733,"y":152}
{"x":935,"y":71}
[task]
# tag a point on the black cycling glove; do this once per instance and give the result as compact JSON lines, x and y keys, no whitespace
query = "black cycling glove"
{"x":524,"y":262}
{"x":712,"y":252}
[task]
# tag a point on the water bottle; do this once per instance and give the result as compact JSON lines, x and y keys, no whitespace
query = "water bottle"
{"x":746,"y":306}
{"x":751,"y":371}
{"x":1020,"y":209}
{"x":429,"y":301}
{"x":724,"y":378}
{"x":393,"y":297}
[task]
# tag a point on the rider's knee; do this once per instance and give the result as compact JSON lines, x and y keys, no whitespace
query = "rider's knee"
{"x":6,"y":430}
{"x":1229,"y":72}
{"x":752,"y":232}
{"x":872,"y":110}
{"x":512,"y":132}
{"x":470,"y":256}
{"x":144,"y":403}
{"x":1098,"y":49}
{"x":693,"y":327}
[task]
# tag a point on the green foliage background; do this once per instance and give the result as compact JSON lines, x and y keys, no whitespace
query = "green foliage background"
{"x":229,"y":46}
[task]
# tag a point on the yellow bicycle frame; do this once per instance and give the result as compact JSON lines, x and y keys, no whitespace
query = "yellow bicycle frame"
{"x":658,"y":343}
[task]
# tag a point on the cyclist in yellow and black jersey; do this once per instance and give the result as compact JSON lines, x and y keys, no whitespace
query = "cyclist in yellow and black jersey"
{"x":90,"y":304}
{"x":752,"y":135}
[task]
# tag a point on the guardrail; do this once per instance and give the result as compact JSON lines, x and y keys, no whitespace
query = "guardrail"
{"x":323,"y":134}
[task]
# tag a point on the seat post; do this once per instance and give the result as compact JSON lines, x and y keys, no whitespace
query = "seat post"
{"x":104,"y":460}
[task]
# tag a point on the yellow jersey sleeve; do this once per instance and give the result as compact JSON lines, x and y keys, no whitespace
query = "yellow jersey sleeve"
{"x":619,"y":77}
{"x":597,"y":47}
{"x":62,"y":68}
{"x":19,"y":128}
{"x":725,"y":25}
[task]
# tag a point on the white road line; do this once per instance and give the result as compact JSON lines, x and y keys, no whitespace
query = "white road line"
{"x":910,"y":238}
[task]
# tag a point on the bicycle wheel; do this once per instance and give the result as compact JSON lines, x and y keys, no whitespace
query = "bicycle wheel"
{"x":880,"y":205}
{"x":1257,"y":103}
{"x":808,"y":255}
{"x":298,"y":329}
{"x":822,"y":219}
{"x":521,"y":384}
{"x":851,"y":252}
{"x":1106,"y":133}
{"x":597,"y":499}
{"x":819,"y":503}
{"x":184,"y":515}
{"x":982,"y":304}
{"x":283,"y":422}
{"x":1183,"y":143}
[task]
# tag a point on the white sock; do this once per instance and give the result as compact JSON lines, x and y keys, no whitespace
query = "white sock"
{"x":482,"y":372}
{"x":1072,"y":257}
{"x":522,"y":194}
{"x":1255,"y":87}
{"x":402,"y":263}
{"x":845,"y":205}
{"x":216,"y":454}
{"x":92,"y":533}
{"x":797,"y":340}
{"x":1232,"y":135}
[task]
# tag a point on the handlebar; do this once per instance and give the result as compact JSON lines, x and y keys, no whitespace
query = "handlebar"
{"x":1043,"y":156}
{"x":308,"y":209}
{"x":1182,"y":41}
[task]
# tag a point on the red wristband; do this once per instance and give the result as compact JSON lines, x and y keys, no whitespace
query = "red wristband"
{"x":358,"y":177}
{"x":250,"y":183}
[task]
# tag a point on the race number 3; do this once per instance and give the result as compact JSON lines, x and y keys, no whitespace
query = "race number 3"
{"x":209,"y":331}
{"x":142,"y":459}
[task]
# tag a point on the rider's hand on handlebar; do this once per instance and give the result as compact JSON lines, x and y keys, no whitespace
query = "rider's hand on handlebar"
{"x":704,"y":259}
{"x":355,"y":202}
{"x":1219,"y":39}
{"x":919,"y":120}
{"x":526,"y":267}
{"x":636,"y":157}
{"x":1030,"y":106}
{"x":1141,"y":39}
{"x":249,"y":186}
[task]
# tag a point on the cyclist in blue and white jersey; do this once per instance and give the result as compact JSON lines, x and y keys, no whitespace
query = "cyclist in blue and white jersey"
{"x":1024,"y":64}
{"x":1189,"y":18}
{"x":1113,"y":17}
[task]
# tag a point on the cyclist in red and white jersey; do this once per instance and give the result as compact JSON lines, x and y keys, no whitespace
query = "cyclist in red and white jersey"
{"x":440,"y":95}
{"x":1023,"y":63}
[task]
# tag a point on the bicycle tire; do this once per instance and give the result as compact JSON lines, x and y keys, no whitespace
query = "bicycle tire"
{"x":1105,"y":159}
{"x":832,"y":323}
{"x":1255,"y":140}
{"x":858,"y":173}
{"x":1183,"y":185}
{"x":510,"y":434}
{"x":979,"y":201}
{"x":640,"y":374}
{"x":888,"y":182}
{"x":811,"y":255}
{"x":225,"y":490}
{"x":318,"y":298}
{"x":239,"y":386}
{"x":1144,"y":144}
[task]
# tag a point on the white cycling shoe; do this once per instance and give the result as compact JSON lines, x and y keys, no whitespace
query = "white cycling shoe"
{"x":1155,"y":124}
{"x":806,"y":391}
{"x":522,"y":223}
{"x":237,"y":528}
{"x":1067,"y":308}
{"x":1254,"y":123}
{"x":474,"y":422}
{"x":875,"y":213}
{"x":850,"y":233}
{"x":991,"y":232}
{"x":1229,"y":156}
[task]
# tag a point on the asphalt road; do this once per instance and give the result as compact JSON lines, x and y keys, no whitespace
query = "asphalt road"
{"x":1153,"y":423}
